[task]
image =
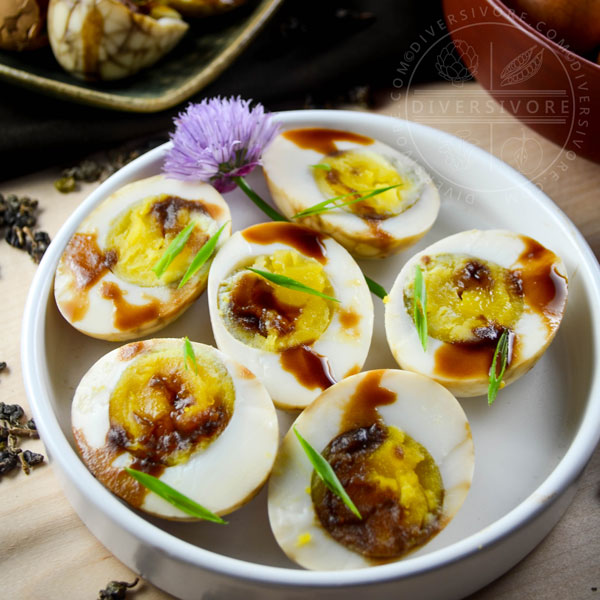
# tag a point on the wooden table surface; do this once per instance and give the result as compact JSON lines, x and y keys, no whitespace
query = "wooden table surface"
{"x":47,"y":552}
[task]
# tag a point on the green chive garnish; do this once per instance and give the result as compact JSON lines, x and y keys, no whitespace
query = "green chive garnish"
{"x":495,"y":378}
{"x":290,"y":283}
{"x":173,"y":249}
{"x":332,"y":203}
{"x":375,"y":288}
{"x":177,"y":499}
{"x":324,"y":470}
{"x":202,"y":256}
{"x":321,"y":166}
{"x":268,"y":210}
{"x":188,"y":354}
{"x":420,"y":307}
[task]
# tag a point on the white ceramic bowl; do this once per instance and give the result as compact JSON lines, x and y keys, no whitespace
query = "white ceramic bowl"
{"x":530,"y":446}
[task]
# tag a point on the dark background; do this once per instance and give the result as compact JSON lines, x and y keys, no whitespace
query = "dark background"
{"x":313,"y":53}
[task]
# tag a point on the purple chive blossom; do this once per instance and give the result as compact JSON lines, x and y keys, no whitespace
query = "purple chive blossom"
{"x":217,"y":140}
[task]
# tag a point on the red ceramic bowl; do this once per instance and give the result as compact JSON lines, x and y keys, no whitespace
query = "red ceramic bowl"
{"x":537,"y":79}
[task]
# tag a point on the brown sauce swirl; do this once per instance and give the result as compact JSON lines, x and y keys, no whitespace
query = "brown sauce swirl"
{"x":255,"y":307}
{"x":310,"y":368}
{"x":175,"y":431}
{"x":324,"y":140}
{"x":544,"y":288}
{"x":99,"y":462}
{"x":87,"y":265}
{"x":165,"y":212}
{"x":361,"y":410}
{"x":304,"y":240}
{"x":129,"y":317}
{"x":384,"y":531}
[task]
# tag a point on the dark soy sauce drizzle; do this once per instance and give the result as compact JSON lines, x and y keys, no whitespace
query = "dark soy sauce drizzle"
{"x":304,"y":240}
{"x":323,"y":140}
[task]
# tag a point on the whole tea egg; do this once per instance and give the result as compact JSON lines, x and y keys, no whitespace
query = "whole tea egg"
{"x":206,"y":427}
{"x":296,"y":342}
{"x":105,"y":285}
{"x":479,"y":284}
{"x":305,"y":167}
{"x":401,"y":447}
{"x":110,"y":39}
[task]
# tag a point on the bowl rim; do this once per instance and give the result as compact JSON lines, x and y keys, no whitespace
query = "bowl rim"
{"x":60,"y":451}
{"x":511,"y":15}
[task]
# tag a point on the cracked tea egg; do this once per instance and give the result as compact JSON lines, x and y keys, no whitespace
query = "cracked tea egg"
{"x":204,"y":425}
{"x":105,"y":285}
{"x":480,"y":285}
{"x":297,"y":343}
{"x":305,"y":167}
{"x":111,"y":39}
{"x":401,"y":447}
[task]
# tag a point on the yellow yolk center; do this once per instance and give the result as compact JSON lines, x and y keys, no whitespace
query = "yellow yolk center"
{"x":141,"y":235}
{"x":467,"y":299}
{"x":404,"y":467}
{"x":362,"y":172}
{"x":272,"y":317}
{"x":395,"y":485}
{"x":162,"y":412}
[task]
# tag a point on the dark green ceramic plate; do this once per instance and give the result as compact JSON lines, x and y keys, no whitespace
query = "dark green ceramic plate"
{"x":209,"y":46}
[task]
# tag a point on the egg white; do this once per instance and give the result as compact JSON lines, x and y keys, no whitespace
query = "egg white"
{"x":99,"y":320}
{"x":533,"y":333}
{"x":289,"y":175}
{"x":423,"y":409}
{"x":346,"y":350}
{"x":222,"y":476}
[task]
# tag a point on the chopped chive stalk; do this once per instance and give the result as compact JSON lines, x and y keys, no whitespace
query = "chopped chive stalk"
{"x":173,"y":249}
{"x":202,"y":256}
{"x":420,"y":307}
{"x":375,"y":288}
{"x":189,"y":355}
{"x":332,"y":203}
{"x":290,"y":283}
{"x":321,"y":166}
{"x":171,"y":495}
{"x":324,"y":470}
{"x":496,"y":378}
{"x":268,"y":210}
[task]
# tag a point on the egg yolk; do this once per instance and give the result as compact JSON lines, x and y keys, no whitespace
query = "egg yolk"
{"x":395,"y":484}
{"x":161,"y":412}
{"x":140,"y":236}
{"x":468,"y":299}
{"x":271,"y":317}
{"x":362,"y":172}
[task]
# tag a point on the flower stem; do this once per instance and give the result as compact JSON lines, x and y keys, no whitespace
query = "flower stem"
{"x":268,"y":210}
{"x":273,"y":214}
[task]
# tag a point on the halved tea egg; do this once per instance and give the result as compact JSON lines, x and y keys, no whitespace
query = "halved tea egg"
{"x":206,"y":427}
{"x":305,"y":167}
{"x":479,"y":284}
{"x":296,"y":342}
{"x":401,"y":447}
{"x":105,"y":285}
